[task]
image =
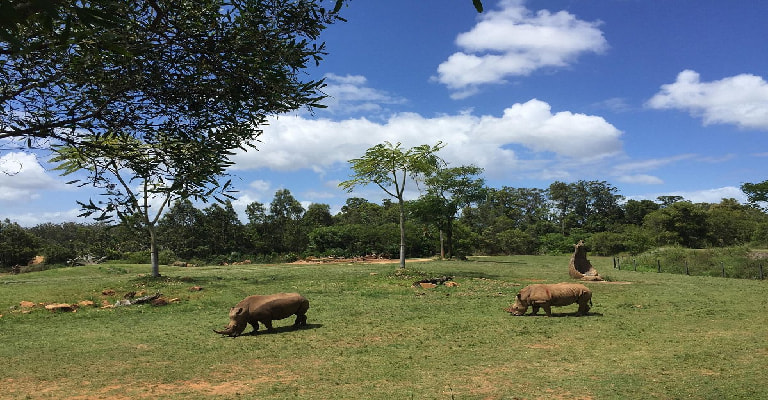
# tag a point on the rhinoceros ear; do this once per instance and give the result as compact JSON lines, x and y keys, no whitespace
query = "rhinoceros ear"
{"x":239,"y":310}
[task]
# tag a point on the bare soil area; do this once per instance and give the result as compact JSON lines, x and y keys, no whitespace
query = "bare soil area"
{"x":362,"y":260}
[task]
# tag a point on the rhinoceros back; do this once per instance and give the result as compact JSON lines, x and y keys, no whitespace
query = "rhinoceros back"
{"x":559,"y":294}
{"x":564,"y":294}
{"x":277,"y":306}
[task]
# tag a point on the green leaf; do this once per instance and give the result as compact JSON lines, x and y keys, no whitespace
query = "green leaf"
{"x":478,"y":5}
{"x":340,"y":3}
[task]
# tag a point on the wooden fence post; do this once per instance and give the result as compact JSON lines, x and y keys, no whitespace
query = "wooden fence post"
{"x":634,"y":263}
{"x":658,"y":264}
{"x":686,"y":267}
{"x":722,"y":267}
{"x":761,"y":271}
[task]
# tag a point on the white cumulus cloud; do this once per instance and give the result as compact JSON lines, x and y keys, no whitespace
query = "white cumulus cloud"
{"x":514,"y":41}
{"x":350,"y":94}
{"x":740,"y":100}
{"x":714,"y":195}
{"x":22,"y":177}
{"x":291,"y":143}
{"x":641,"y":179}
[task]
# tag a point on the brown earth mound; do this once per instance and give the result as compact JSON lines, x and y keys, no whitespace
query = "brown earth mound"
{"x":579,"y":267}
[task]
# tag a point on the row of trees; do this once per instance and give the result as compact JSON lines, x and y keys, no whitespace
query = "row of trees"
{"x":499,"y":221}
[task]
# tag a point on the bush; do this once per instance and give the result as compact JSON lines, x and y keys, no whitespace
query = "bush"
{"x":515,"y":241}
{"x":17,"y":246}
{"x":556,"y":244}
{"x":736,"y":261}
{"x":290,"y":257}
{"x":138,"y":257}
{"x":637,"y":239}
{"x":607,"y":243}
{"x":464,"y":240}
{"x":165,"y":257}
{"x":355,"y":240}
{"x":58,"y":254}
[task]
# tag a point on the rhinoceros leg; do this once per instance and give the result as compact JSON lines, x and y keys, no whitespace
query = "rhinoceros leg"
{"x":301,"y":320}
{"x":583,"y":308}
{"x":535,"y":310}
{"x":268,"y":324}
{"x":548,"y":310}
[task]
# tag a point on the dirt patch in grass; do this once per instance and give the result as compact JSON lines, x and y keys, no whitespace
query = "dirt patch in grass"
{"x":359,"y":342}
{"x":708,"y":372}
{"x":542,"y":346}
{"x":758,"y":254}
{"x":556,"y":395}
{"x":497,"y":383}
{"x":29,"y":387}
{"x":229,"y":389}
{"x":231,"y":384}
{"x":357,"y":260}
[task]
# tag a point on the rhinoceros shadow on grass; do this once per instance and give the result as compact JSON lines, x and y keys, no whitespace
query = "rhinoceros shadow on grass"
{"x":565,"y":314}
{"x":281,"y":329}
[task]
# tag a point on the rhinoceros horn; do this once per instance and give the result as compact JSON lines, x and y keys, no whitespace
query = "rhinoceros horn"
{"x":226,"y":331}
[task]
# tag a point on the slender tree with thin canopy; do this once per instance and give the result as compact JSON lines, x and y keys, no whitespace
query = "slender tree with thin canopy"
{"x":390,"y":167}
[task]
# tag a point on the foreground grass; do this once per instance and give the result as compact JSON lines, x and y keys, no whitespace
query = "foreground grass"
{"x":373,"y":336}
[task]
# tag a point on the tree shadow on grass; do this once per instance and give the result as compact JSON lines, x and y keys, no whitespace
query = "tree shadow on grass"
{"x":482,"y":260}
{"x":207,"y":281}
{"x":474,"y":274}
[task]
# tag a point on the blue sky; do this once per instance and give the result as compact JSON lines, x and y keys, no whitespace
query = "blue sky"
{"x":654,"y":97}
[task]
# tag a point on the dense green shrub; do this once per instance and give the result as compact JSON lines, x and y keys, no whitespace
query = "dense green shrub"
{"x":516,"y":241}
{"x":17,"y":246}
{"x":607,"y":243}
{"x":165,"y":257}
{"x":556,"y":243}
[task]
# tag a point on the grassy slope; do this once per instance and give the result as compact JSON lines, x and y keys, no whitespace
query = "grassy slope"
{"x":373,"y":336}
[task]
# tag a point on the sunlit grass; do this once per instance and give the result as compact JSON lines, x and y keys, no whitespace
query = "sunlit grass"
{"x":372,"y":335}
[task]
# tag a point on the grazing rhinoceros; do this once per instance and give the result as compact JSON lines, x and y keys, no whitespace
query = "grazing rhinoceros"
{"x":265,"y":309}
{"x":546,"y":296}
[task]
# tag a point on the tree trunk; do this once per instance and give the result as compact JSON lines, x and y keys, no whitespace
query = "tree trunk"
{"x":442,"y":246}
{"x":402,"y":232}
{"x":153,"y":251}
{"x":449,"y":238}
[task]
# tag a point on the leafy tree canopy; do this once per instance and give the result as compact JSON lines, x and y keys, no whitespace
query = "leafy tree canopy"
{"x":161,"y":100}
{"x":211,"y":67}
{"x":757,"y":193}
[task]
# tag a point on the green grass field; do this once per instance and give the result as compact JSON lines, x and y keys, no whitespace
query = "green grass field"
{"x":372,"y":336}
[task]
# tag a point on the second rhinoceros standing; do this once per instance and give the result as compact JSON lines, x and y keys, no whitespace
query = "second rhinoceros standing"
{"x":547,"y":295}
{"x":265,"y":309}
